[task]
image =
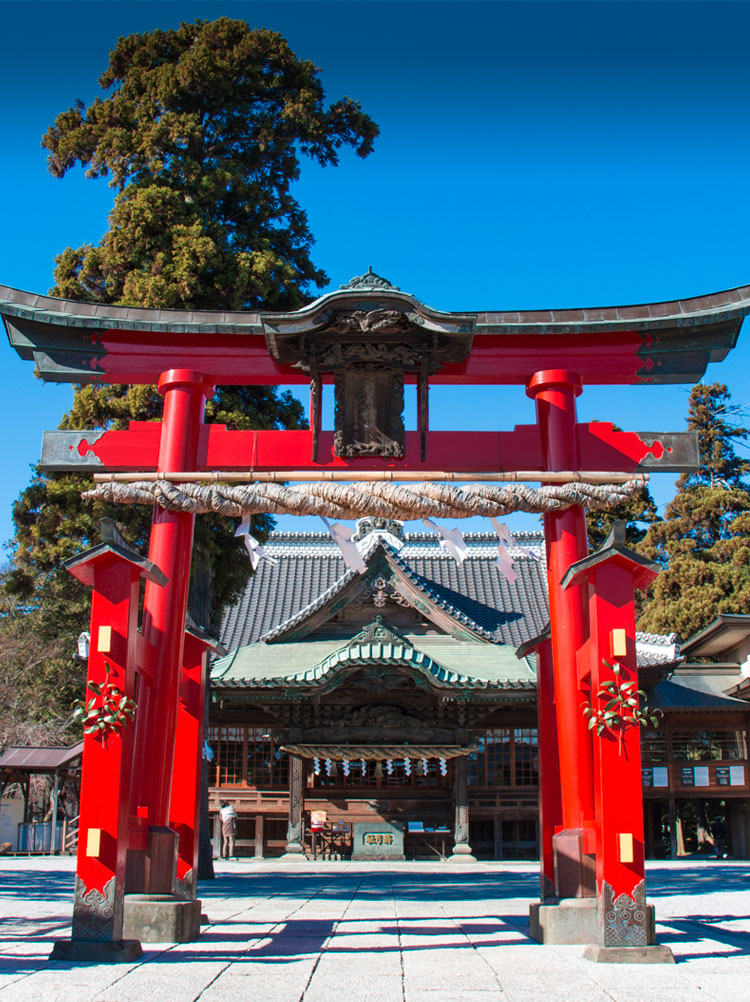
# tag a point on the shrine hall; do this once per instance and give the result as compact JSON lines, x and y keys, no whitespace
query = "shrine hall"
{"x":404,"y":695}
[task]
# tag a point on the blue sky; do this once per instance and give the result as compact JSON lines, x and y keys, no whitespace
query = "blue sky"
{"x":531,"y":155}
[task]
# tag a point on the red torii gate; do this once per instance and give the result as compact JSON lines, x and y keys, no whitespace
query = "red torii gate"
{"x":369,"y":338}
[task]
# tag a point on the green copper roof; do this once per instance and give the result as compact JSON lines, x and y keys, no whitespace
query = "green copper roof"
{"x":306,"y":662}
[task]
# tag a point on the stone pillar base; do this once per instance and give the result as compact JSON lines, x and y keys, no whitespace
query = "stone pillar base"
{"x":294,"y":852}
{"x":122,"y":951}
{"x":628,"y":954}
{"x":567,"y":921}
{"x":161,"y":918}
{"x":462,"y":854}
{"x":573,"y":921}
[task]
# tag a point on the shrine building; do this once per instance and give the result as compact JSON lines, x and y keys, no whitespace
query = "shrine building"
{"x":404,"y":693}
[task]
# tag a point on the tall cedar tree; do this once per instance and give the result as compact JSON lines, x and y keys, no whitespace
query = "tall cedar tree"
{"x":704,"y":541}
{"x":200,"y":136}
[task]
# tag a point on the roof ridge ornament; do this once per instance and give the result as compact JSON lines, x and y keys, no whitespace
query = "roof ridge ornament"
{"x":370,"y":281}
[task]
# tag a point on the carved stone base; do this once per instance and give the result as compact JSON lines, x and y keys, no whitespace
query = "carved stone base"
{"x":123,"y":951}
{"x":462,"y":854}
{"x":97,"y":915}
{"x":628,"y":954}
{"x":569,"y":921}
{"x":574,"y":921}
{"x":294,"y":853}
{"x":161,"y":918}
{"x":624,"y":920}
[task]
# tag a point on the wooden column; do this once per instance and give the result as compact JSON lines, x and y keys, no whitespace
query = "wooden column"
{"x":550,"y":799}
{"x":461,"y":847}
{"x":53,"y":811}
{"x":294,"y":848}
{"x":164,"y":609}
{"x":623,"y":922}
{"x":185,"y":795}
{"x":259,"y":836}
{"x":114,"y":572}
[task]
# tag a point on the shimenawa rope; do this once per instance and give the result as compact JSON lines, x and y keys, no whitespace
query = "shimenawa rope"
{"x":379,"y":499}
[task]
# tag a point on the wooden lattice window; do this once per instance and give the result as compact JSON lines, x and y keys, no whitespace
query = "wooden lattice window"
{"x":506,"y":756}
{"x":267,"y":764}
{"x":653,"y":746}
{"x":247,"y":756}
{"x":526,"y":755}
{"x":713,"y":746}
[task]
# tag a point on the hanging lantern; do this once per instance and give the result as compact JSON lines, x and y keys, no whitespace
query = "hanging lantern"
{"x":424,"y":767}
{"x":378,"y":770}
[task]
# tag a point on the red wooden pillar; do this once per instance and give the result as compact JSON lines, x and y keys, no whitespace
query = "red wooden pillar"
{"x":164,"y":610}
{"x":114,"y":571}
{"x":610,"y":576}
{"x":185,"y":800}
{"x":554,"y":391}
{"x":550,"y":800}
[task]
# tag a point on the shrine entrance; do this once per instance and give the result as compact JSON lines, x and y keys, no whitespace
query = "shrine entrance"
{"x":136,"y":869}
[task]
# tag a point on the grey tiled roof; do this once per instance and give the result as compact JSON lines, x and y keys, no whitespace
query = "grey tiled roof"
{"x":310,"y":571}
{"x":654,"y":649}
{"x":696,"y":690}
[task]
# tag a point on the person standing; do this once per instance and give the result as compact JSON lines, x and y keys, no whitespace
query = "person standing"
{"x":228,"y":829}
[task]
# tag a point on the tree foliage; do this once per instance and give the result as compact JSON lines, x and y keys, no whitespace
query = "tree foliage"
{"x":201,"y":136}
{"x":704,"y":541}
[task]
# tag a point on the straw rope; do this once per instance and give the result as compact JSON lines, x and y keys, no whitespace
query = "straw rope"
{"x":377,"y":500}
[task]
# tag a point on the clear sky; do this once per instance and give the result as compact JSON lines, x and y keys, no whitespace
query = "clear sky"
{"x":531,"y":155}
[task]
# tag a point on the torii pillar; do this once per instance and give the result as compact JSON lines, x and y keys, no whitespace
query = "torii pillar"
{"x":114,"y":571}
{"x":554,"y":392}
{"x":625,"y":923}
{"x":550,"y":801}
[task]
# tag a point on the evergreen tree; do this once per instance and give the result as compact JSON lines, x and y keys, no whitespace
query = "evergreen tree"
{"x":201,"y":137}
{"x":704,"y":541}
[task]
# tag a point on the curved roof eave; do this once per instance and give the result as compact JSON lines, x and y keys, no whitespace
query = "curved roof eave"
{"x":717,"y":308}
{"x":357,"y":655}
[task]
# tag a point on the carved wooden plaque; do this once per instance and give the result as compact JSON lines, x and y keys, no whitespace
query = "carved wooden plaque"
{"x":369,"y":417}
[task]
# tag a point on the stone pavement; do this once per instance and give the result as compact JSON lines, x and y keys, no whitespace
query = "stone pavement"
{"x":380,"y":932}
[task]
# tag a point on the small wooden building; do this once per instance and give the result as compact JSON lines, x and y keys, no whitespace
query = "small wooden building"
{"x":395,"y":695}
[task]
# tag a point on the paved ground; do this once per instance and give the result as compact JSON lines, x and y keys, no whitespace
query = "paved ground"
{"x":402,"y":932}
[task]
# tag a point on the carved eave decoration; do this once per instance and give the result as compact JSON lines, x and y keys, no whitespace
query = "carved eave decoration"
{"x":371,"y":337}
{"x":352,"y":326}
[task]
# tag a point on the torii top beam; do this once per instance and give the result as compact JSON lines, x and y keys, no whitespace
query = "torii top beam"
{"x":668,"y":342}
